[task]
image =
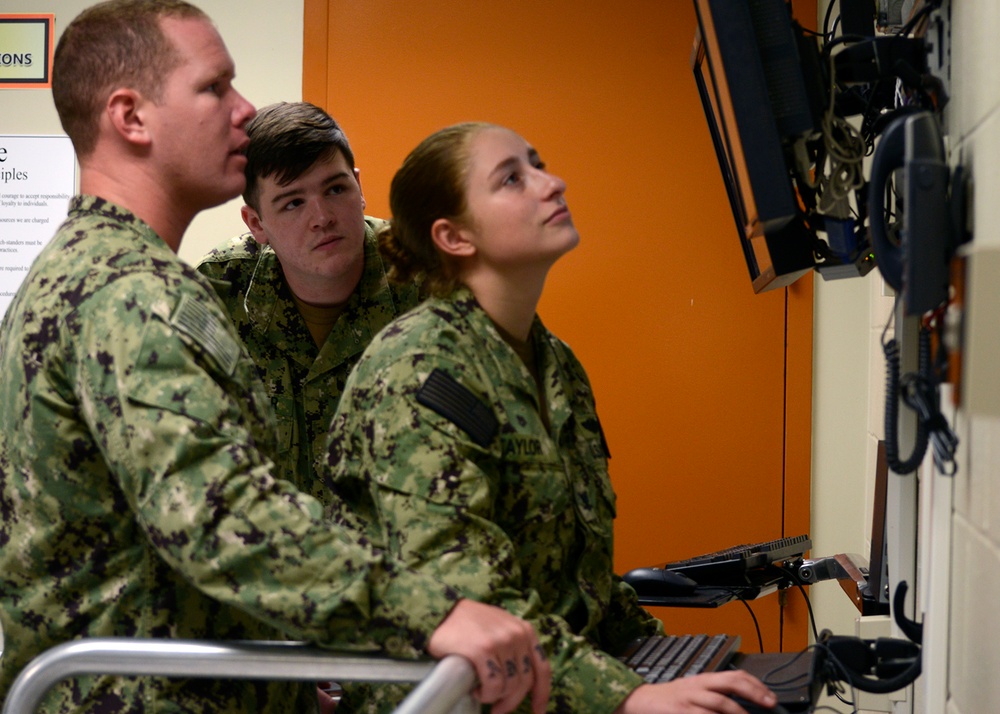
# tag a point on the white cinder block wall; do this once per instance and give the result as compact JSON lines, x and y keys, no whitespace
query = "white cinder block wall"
{"x":973,"y":123}
{"x":960,"y":518}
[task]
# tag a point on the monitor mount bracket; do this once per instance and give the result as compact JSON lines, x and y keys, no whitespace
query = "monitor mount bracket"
{"x":849,"y":569}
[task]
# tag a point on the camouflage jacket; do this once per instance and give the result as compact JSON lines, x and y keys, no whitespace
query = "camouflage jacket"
{"x":304,"y":382}
{"x":136,"y":492}
{"x":439,"y":441}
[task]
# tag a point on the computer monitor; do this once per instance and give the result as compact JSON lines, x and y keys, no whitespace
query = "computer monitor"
{"x":876,"y":594}
{"x":762,"y":88}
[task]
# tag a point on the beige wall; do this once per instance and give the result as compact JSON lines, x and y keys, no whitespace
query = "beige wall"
{"x":265,"y":40}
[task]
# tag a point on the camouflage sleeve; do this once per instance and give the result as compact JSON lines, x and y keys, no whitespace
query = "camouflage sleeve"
{"x":224,"y":274}
{"x":211,"y":269}
{"x":626,"y":619}
{"x":168,"y":391}
{"x":436,"y":498}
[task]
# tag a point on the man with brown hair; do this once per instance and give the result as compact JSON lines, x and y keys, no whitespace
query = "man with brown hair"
{"x":305,"y":286}
{"x":137,"y":484}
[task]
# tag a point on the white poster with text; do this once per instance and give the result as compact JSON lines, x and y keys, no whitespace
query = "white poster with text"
{"x":37,"y":179}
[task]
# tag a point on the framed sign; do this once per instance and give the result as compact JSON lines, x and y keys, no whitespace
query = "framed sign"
{"x":26,"y":47}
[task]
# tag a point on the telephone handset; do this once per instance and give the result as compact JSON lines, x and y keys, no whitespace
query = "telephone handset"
{"x":917,"y":268}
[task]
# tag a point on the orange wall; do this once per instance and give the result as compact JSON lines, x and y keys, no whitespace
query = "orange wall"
{"x":690,"y":368}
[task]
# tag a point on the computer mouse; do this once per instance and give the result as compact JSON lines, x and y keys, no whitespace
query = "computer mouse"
{"x":755,"y":709}
{"x":658,"y":581}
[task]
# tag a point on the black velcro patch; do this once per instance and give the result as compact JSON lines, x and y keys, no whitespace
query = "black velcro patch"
{"x":458,"y":405}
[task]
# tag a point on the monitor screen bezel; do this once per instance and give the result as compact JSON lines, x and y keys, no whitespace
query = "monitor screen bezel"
{"x":729,"y":74}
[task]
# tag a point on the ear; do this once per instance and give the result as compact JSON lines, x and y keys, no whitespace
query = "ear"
{"x":125,"y":112}
{"x":451,"y":239}
{"x":252,"y":219}
{"x":357,"y":177}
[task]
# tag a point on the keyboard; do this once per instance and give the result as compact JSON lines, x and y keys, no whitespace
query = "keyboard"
{"x":731,"y":566}
{"x":793,"y":677}
{"x":664,"y":658}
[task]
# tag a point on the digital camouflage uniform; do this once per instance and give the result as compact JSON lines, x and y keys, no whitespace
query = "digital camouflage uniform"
{"x":136,"y":492}
{"x":303,"y":381}
{"x":488,"y":499}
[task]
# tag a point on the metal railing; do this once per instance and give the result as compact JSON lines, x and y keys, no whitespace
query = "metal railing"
{"x":444,"y":687}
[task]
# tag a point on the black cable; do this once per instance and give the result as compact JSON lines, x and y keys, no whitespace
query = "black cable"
{"x":843,"y":39}
{"x":833,"y":684}
{"x":809,"y":608}
{"x":826,"y":20}
{"x":834,"y":668}
{"x":919,"y":392}
{"x":892,"y":393}
{"x":848,"y":702}
{"x":738,"y":594}
{"x":793,"y":682}
{"x":794,"y":577}
{"x":760,"y":639}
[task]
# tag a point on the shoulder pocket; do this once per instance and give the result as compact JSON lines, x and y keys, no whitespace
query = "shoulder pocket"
{"x":192,"y":363}
{"x":207,"y":332}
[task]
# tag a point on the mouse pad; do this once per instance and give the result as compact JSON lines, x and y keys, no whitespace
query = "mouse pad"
{"x":790,"y":675}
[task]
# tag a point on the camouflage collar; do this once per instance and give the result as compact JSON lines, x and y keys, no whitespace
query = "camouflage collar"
{"x":88,"y":204}
{"x":368,"y":309}
{"x":465,"y":304}
{"x":263,"y":300}
{"x":269,"y":303}
{"x":373,"y":284}
{"x":270,"y":294}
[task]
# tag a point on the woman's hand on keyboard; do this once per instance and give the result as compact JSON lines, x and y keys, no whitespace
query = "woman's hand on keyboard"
{"x":702,"y":693}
